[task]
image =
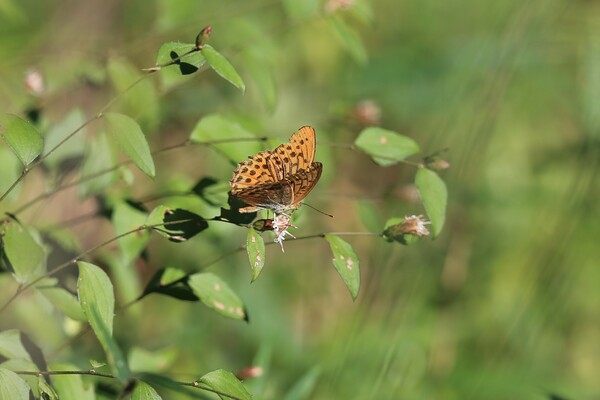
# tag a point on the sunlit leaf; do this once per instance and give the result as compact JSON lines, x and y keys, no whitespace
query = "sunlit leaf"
{"x":222,"y":67}
{"x":218,"y":128}
{"x":12,"y":387}
{"x":171,"y":282}
{"x":386,"y":147}
{"x":96,"y":295}
{"x":216,"y":294}
{"x":143,"y":391}
{"x":255,"y":247}
{"x":10,"y":169}
{"x":183,"y":65}
{"x":346,"y":263}
{"x":435,"y":196}
{"x":26,"y":256}
{"x":24,"y":140}
{"x":225,"y":382}
{"x":130,"y":138}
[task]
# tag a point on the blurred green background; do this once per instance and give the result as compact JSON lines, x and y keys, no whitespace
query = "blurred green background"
{"x":505,"y":304}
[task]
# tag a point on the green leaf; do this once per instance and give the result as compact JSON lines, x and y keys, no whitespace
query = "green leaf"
{"x":96,"y":295}
{"x":434,"y":194}
{"x":71,"y":148}
{"x":225,"y":382}
{"x":126,"y":218}
{"x":24,"y":140}
{"x":99,"y":157}
{"x":143,"y":391}
{"x":11,"y":346}
{"x":141,"y":99}
{"x":71,"y":387}
{"x":346,"y":263}
{"x":10,"y":169}
{"x":26,"y":256}
{"x":65,"y":302}
{"x":391,"y":147}
{"x":130,"y":138}
{"x":303,"y":388}
{"x":114,"y":355}
{"x":170,"y":384}
{"x":255,"y":246}
{"x":163,"y":282}
{"x":215,"y":127}
{"x":151,"y":361}
{"x":20,"y":364}
{"x":156,"y":216}
{"x":222,"y":67}
{"x":216,"y":294}
{"x":181,"y":71}
{"x":349,"y":39}
{"x":12,"y":387}
{"x":46,"y":391}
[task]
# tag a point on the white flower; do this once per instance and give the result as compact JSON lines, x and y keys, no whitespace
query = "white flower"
{"x":281,"y":223}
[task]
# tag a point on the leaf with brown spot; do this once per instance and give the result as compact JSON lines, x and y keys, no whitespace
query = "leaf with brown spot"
{"x":215,"y":293}
{"x":255,"y":247}
{"x":346,"y":263}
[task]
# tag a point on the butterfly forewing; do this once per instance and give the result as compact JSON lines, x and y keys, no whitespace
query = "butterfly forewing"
{"x":278,"y":179}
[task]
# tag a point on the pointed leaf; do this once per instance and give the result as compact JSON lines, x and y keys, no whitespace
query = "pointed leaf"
{"x":255,"y":246}
{"x":96,"y":295}
{"x":184,"y":64}
{"x":391,"y":147}
{"x":24,"y":140}
{"x":65,"y":302}
{"x":130,"y":138}
{"x":182,"y":225}
{"x":215,"y":127}
{"x":171,"y":282}
{"x":143,"y":391}
{"x":216,"y":294}
{"x":222,"y":66}
{"x":26,"y":256}
{"x":346,"y":263}
{"x":226,"y":383}
{"x":435,"y":196}
{"x":10,"y":169}
{"x":12,"y":387}
{"x":11,"y":346}
{"x":114,"y":355}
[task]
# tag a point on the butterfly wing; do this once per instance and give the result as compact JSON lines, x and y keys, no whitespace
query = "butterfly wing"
{"x":304,"y":182}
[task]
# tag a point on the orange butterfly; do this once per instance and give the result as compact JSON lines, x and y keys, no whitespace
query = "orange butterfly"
{"x":280,"y":179}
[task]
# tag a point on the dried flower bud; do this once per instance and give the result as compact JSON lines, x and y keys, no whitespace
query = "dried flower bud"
{"x":367,"y":112}
{"x":436,"y":163}
{"x":263,"y":225}
{"x":34,"y":82}
{"x":249,"y":372}
{"x":408,"y":230}
{"x":203,"y":37}
{"x":334,"y":5}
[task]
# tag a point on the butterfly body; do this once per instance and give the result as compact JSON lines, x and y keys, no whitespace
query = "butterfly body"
{"x":280,"y":179}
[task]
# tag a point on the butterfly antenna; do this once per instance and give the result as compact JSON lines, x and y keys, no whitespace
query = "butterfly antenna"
{"x":316,"y":209}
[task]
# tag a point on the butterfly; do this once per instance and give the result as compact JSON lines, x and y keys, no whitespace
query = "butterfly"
{"x":281,"y":178}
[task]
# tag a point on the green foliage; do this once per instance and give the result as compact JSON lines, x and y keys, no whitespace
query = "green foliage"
{"x":24,"y":140}
{"x":497,"y":157}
